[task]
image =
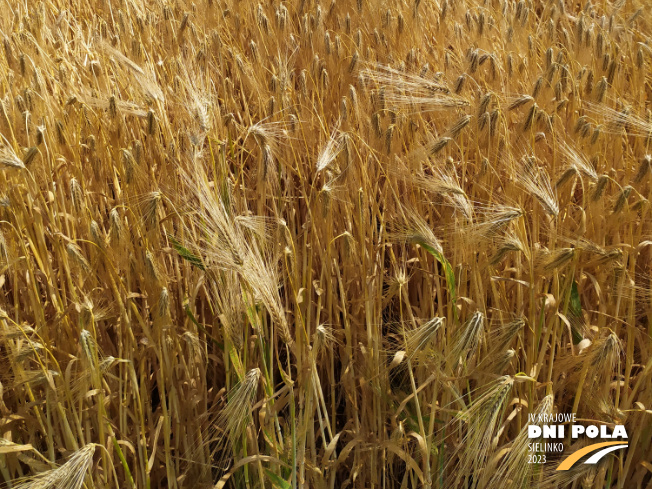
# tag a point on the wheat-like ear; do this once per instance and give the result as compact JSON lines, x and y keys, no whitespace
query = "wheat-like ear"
{"x":26,"y":350}
{"x":77,"y":256}
{"x":492,"y":221}
{"x":506,"y":334}
{"x":581,"y":476}
{"x":261,"y":276}
{"x":514,"y":468}
{"x":419,"y":339}
{"x":643,"y":169}
{"x":558,"y":258}
{"x":145,"y":81}
{"x":536,"y":181}
{"x":4,"y":250}
{"x":323,"y":339}
{"x":237,"y":413}
{"x":329,"y":152}
{"x":619,"y":120}
{"x":225,"y":290}
{"x":481,"y":420}
{"x":467,"y":339}
{"x":621,"y":200}
{"x":76,"y":195}
{"x":508,"y":243}
{"x":599,"y":188}
{"x":273,"y":134}
{"x":219,"y":239}
{"x":88,"y":347}
{"x":459,"y":125}
{"x":413,"y":228}
{"x":445,"y":183}
{"x":226,"y":247}
{"x":412,"y":92}
{"x":150,"y":206}
{"x":605,"y":356}
{"x":97,"y":235}
{"x":116,"y":231}
{"x":519,"y":102}
{"x":502,"y":361}
{"x":579,"y":162}
{"x":14,"y":331}
{"x":9,"y":159}
{"x":163,"y":306}
{"x":70,"y":475}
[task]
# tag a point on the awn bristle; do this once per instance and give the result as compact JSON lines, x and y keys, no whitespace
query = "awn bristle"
{"x":70,"y":475}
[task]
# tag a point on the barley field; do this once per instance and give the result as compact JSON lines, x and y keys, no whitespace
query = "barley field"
{"x":323,"y":244}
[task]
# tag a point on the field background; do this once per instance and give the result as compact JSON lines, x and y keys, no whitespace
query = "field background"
{"x":322,"y":244}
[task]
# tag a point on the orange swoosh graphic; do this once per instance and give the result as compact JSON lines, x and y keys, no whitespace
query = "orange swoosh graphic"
{"x":571,"y":459}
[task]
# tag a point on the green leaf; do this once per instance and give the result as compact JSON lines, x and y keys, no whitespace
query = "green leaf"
{"x":575,"y":303}
{"x":186,"y":254}
{"x":123,"y":460}
{"x":202,"y":329}
{"x":575,"y":314}
{"x":276,"y":480}
{"x":448,"y":270}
